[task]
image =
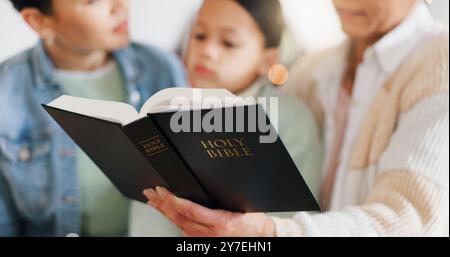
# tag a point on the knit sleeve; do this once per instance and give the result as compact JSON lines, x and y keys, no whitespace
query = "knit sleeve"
{"x":410,"y":195}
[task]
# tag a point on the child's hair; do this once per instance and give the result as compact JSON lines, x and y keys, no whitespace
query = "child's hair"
{"x":44,"y":6}
{"x":269,"y":16}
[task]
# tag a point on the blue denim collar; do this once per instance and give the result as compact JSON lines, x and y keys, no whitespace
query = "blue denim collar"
{"x":42,"y":66}
{"x":127,"y":61}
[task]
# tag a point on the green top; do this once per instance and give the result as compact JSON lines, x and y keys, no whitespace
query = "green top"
{"x":104,"y":211}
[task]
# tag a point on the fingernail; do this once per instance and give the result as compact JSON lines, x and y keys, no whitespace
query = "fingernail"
{"x":162,"y":192}
{"x":150,"y":194}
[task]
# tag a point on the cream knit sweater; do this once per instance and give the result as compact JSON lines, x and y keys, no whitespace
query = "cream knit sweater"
{"x":405,"y":138}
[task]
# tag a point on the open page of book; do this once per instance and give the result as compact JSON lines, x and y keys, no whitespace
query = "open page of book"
{"x":171,"y":99}
{"x":105,"y":110}
{"x":163,"y":101}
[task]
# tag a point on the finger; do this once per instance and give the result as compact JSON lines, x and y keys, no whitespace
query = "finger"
{"x":172,"y":206}
{"x":160,"y":200}
{"x":177,"y":218}
{"x":189,"y":233}
{"x":183,"y":223}
{"x":151,"y":195}
{"x":153,"y":199}
{"x":159,"y":204}
{"x":194,"y":229}
{"x":195,"y":212}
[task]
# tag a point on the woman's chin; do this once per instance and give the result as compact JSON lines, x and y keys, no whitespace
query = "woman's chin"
{"x":119,"y":43}
{"x":356,"y":32}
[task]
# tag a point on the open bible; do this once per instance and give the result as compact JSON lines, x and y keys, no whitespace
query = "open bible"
{"x":171,"y":142}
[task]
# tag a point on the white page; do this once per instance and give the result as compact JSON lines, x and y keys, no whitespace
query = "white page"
{"x":162,"y":100}
{"x":125,"y":114}
{"x":105,"y":110}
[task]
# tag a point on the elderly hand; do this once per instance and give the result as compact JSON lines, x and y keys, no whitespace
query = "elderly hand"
{"x":195,"y":220}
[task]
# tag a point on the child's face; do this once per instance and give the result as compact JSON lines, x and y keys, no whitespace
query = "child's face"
{"x":226,"y":47}
{"x":90,"y":24}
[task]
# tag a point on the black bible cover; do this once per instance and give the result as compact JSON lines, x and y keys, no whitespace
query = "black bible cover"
{"x":221,"y":170}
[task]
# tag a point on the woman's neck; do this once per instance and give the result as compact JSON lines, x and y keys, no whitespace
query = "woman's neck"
{"x":65,"y":58}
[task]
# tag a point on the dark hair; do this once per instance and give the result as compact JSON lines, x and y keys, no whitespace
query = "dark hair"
{"x":269,"y":16}
{"x":44,"y":6}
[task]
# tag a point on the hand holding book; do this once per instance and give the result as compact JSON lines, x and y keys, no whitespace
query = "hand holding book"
{"x":197,"y":221}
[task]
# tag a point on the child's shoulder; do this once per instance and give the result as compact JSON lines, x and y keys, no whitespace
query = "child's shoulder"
{"x":291,"y":110}
{"x":287,"y":104}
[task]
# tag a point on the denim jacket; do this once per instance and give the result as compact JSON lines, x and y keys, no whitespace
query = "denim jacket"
{"x":39,"y":193}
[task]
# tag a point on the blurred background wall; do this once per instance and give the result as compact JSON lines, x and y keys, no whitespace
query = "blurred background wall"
{"x":163,"y":23}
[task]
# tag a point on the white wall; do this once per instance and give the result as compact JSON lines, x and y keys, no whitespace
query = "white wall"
{"x":314,"y":23}
{"x":159,"y":23}
{"x":162,"y":23}
{"x":439,"y":8}
{"x":14,"y":34}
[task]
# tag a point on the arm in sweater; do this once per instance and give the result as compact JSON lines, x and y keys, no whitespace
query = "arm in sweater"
{"x":410,"y":195}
